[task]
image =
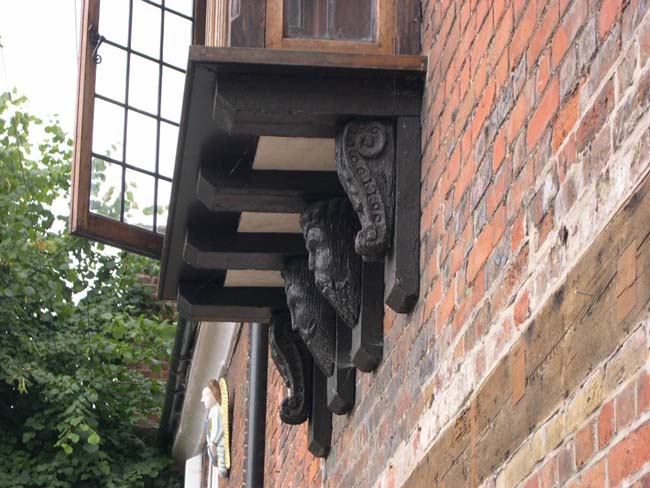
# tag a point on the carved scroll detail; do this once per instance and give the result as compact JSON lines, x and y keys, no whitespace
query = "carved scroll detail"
{"x":295,"y":366}
{"x":311,"y":315}
{"x":365,"y":156}
{"x":329,"y":228}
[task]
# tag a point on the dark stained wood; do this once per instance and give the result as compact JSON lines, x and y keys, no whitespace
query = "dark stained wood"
{"x":199,"y":142}
{"x":210,"y":248}
{"x":403,"y":261}
{"x":247,"y":28}
{"x":209,"y":301}
{"x":368,"y":335}
{"x":319,"y":431}
{"x":127,"y":237}
{"x":311,"y":59}
{"x":266,"y":191}
{"x":409,"y":20}
{"x":341,"y":385}
{"x":310,"y":105}
{"x":198,"y":31}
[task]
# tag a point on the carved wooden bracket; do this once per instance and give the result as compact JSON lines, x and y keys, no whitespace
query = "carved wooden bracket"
{"x":295,"y":365}
{"x":311,"y":315}
{"x":329,"y":228}
{"x":365,"y":162}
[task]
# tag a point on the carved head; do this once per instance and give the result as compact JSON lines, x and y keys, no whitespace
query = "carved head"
{"x":329,"y":228}
{"x":211,"y":394}
{"x":311,"y":315}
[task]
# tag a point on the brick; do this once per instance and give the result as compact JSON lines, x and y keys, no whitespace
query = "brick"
{"x":522,"y":309}
{"x":626,"y":361}
{"x":523,"y":31}
{"x":629,"y":455}
{"x":554,"y":431}
{"x":568,"y":74}
{"x":543,"y":114}
{"x":548,"y":474}
{"x":595,"y":476}
{"x":499,"y":151}
{"x":565,"y":464}
{"x":643,"y":392}
{"x":543,"y":32}
{"x":609,"y":11}
{"x":565,"y":121}
{"x":593,"y":120}
{"x":605,"y":424}
{"x":585,"y":401}
{"x":584,"y":443}
{"x":625,"y":407}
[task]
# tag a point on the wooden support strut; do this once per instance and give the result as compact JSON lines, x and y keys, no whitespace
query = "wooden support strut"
{"x":368,"y":335}
{"x":266,"y":190}
{"x":341,"y":385}
{"x":319,"y":431}
{"x":206,"y":248}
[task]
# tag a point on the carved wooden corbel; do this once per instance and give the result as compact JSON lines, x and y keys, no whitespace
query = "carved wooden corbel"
{"x":311,"y":315}
{"x":295,"y":365}
{"x":365,"y":162}
{"x":329,"y":228}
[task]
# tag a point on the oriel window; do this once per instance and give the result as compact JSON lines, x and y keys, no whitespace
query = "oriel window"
{"x":131,"y":87}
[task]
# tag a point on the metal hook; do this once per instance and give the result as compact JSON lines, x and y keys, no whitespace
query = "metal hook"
{"x":95,"y":40}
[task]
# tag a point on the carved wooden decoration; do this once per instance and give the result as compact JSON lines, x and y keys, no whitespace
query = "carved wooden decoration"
{"x":365,"y":161}
{"x":329,"y":228}
{"x":295,"y":365}
{"x":311,"y":315}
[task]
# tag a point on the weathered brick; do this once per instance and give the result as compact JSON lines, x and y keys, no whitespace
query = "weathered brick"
{"x":629,"y":455}
{"x":605,"y":424}
{"x":625,"y":407}
{"x":543,"y":113}
{"x":609,"y":11}
{"x":586,"y":400}
{"x":593,"y":120}
{"x":584,"y":443}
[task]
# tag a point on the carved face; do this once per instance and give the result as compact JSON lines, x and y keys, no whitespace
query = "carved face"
{"x":311,"y":315}
{"x":207,"y":398}
{"x":320,"y":256}
{"x":329,"y":229}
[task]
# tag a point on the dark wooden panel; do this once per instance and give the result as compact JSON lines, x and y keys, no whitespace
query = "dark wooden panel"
{"x":409,"y":19}
{"x":211,"y":302}
{"x":266,"y":191}
{"x":403,"y":261}
{"x":309,"y":105}
{"x":247,"y":23}
{"x":208,"y":248}
{"x":319,"y":431}
{"x":368,"y":335}
{"x":341,"y":385}
{"x":311,"y":59}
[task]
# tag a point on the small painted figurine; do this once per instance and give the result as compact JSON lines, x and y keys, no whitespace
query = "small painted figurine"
{"x":215,"y":400}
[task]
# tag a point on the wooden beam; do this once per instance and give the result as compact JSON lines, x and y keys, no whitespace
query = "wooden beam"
{"x":207,"y":248}
{"x":211,"y":302}
{"x":368,"y":335}
{"x":310,"y":104}
{"x":341,"y":385}
{"x":319,"y":431}
{"x":266,"y":190}
{"x":403,"y":261}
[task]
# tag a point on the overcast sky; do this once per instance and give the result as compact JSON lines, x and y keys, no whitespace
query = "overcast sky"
{"x":39,"y":57}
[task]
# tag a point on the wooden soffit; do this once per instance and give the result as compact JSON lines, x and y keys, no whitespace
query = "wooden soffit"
{"x":255,"y":148}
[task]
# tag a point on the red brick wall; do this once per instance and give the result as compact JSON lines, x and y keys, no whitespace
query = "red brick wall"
{"x":535,"y":132}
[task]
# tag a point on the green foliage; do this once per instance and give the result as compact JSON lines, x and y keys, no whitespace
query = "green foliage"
{"x":76,"y":328}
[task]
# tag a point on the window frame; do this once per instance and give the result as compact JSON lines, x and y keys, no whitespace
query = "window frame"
{"x":82,"y":221}
{"x":385,"y":43}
